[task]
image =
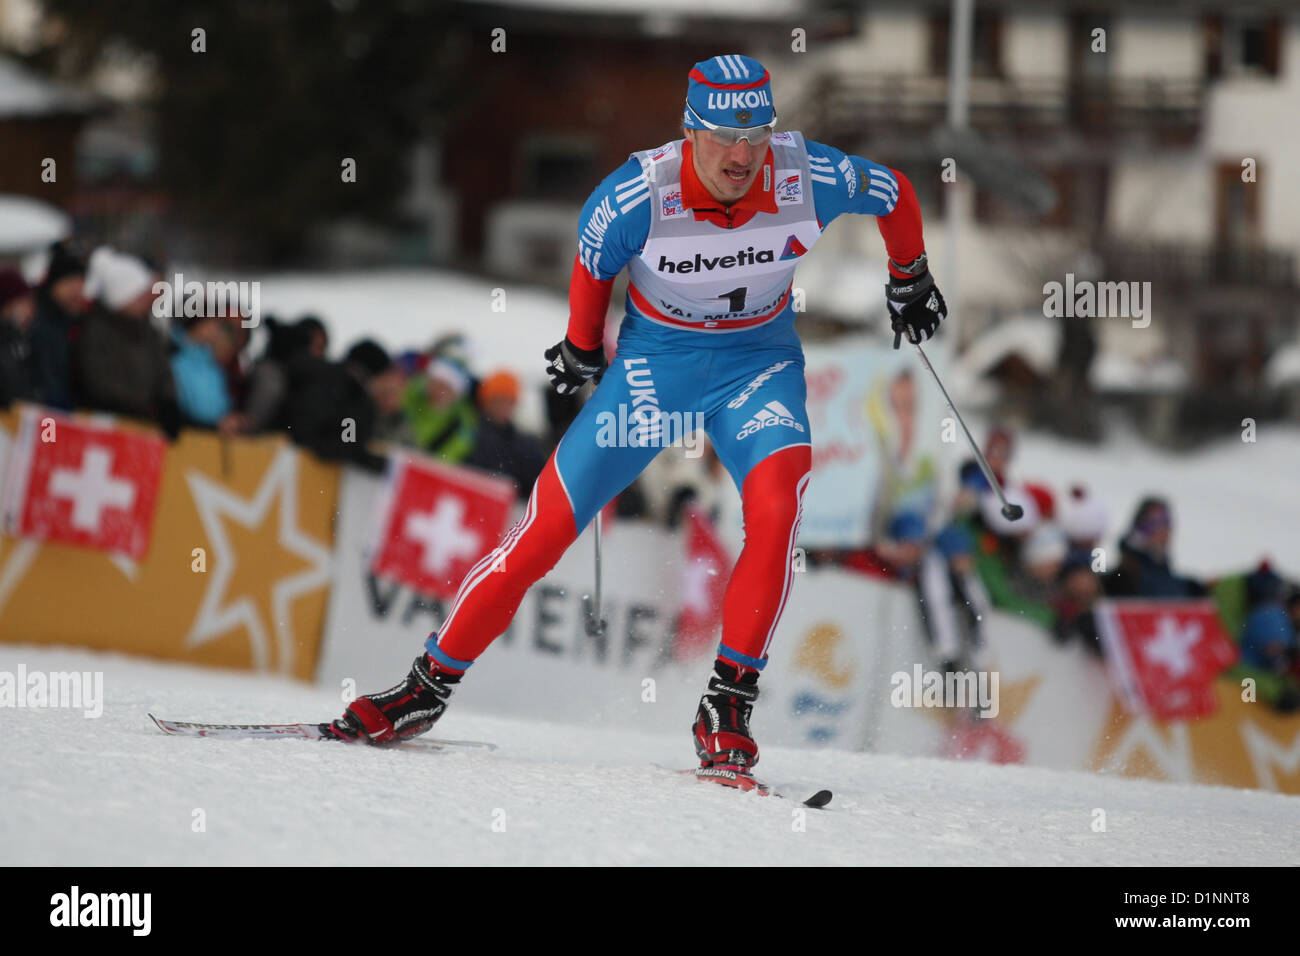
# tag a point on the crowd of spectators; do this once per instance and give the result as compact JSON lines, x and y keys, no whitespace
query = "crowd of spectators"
{"x":1053,"y":565}
{"x":87,"y":337}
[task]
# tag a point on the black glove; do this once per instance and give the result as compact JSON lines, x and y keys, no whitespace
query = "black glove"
{"x":571,"y":367}
{"x":916,"y":306}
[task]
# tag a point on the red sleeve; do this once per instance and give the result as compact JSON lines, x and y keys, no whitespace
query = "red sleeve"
{"x":901,"y":229}
{"x":588,"y":303}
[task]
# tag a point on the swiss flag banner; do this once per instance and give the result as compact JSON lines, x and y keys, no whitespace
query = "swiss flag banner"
{"x":704,"y":582}
{"x":83,"y":483}
{"x":1163,"y":656}
{"x":437,"y":522}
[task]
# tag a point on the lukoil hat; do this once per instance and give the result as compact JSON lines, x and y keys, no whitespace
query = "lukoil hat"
{"x":730,"y":90}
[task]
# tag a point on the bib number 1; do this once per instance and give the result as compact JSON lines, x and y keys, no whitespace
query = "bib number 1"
{"x":735,"y":299}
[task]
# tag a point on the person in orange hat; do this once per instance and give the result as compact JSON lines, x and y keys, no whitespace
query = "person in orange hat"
{"x":499,"y":445}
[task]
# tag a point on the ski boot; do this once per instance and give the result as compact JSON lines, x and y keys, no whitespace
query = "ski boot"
{"x":401,"y":712}
{"x":722,"y":738}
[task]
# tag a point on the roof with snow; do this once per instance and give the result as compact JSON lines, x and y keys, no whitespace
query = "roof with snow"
{"x":1283,"y":368}
{"x":1112,"y":372}
{"x":1034,"y":339}
{"x":28,"y":224}
{"x":26,"y":94}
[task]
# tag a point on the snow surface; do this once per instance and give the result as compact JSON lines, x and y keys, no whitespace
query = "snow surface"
{"x":114,"y":791}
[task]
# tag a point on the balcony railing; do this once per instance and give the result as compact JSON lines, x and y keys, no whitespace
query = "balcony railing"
{"x":1200,"y":264}
{"x":1168,"y":109}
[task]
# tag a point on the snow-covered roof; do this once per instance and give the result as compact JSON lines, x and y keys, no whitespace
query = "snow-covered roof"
{"x":27,"y":224}
{"x":1284,"y":367}
{"x":1035,"y":339}
{"x":24,"y":93}
{"x":843,"y":285}
{"x":1112,"y":372}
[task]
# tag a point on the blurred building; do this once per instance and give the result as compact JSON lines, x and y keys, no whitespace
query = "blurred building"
{"x":40,"y":121}
{"x":1137,"y":119}
{"x":571,"y":88}
{"x":1144,"y":118}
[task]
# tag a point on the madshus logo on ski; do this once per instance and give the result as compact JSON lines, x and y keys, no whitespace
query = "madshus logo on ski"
{"x":773,"y":413}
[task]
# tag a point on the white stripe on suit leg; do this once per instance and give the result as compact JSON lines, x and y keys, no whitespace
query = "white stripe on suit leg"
{"x":486,"y":564}
{"x":789,"y":564}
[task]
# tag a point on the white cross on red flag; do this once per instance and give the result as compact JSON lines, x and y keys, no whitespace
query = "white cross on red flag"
{"x":1163,"y":656}
{"x":81,"y":483}
{"x":704,"y":584}
{"x":437,"y":522}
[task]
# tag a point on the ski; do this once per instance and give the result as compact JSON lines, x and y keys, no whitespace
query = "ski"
{"x":183,"y":728}
{"x":737,"y":779}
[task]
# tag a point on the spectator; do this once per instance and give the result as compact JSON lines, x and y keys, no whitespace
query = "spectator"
{"x":198,"y":368}
{"x":236,"y":367}
{"x":268,"y":383}
{"x":61,"y":308}
{"x":17,"y":312}
{"x":953,"y":600}
{"x":1269,"y":648}
{"x":333,"y":407}
{"x":1042,"y":556}
{"x":499,"y":446}
{"x":1076,"y":596}
{"x":315,"y":337}
{"x":1144,"y":569}
{"x":122,"y":358}
{"x":998,"y":448}
{"x":1083,"y":519}
{"x":999,"y":556}
{"x":901,"y":549}
{"x":439,"y":411}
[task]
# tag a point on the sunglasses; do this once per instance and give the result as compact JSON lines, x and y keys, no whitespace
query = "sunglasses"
{"x":731,"y":135}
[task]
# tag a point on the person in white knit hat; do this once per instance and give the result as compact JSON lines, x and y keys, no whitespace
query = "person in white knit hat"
{"x":120,"y":282}
{"x":123,"y":359}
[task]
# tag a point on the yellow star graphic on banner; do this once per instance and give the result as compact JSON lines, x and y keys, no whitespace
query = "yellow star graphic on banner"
{"x":236,"y":598}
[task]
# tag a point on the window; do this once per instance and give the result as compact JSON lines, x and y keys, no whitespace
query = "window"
{"x":1081,"y":192}
{"x":1242,"y":46}
{"x":1236,"y":218}
{"x":558,"y":167}
{"x":986,"y":44}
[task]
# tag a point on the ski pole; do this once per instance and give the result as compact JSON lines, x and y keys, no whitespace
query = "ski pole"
{"x":1009,"y":511}
{"x":591,"y":605}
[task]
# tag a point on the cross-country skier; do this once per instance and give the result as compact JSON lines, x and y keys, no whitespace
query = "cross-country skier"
{"x":710,"y":229}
